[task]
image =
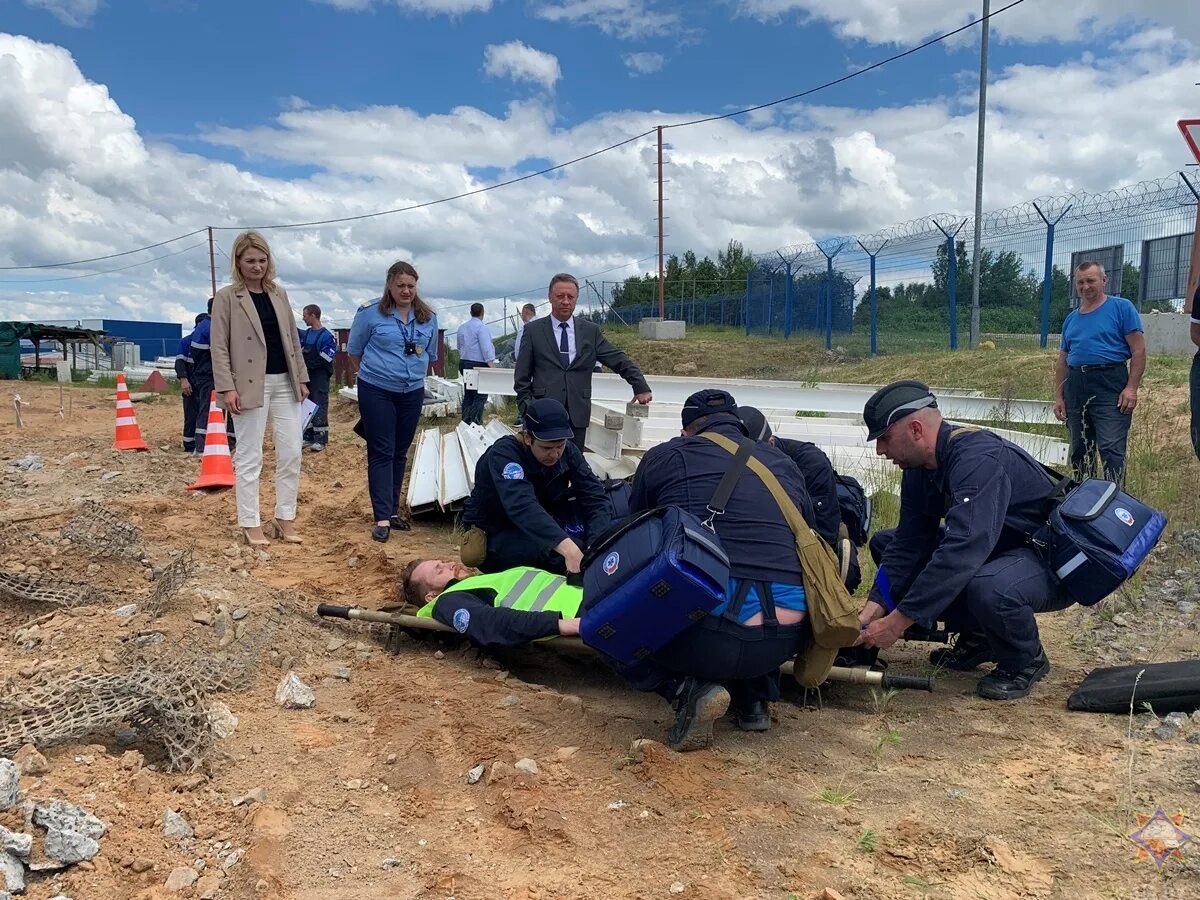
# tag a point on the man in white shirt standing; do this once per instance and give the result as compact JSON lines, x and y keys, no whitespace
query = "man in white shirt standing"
{"x":474,"y":349}
{"x":528,"y":314}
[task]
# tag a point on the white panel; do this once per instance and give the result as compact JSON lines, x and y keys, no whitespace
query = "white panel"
{"x":452,"y":485}
{"x":424,"y":478}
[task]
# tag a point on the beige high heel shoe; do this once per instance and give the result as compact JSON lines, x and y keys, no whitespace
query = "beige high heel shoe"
{"x":277,"y":532}
{"x":246,"y":539}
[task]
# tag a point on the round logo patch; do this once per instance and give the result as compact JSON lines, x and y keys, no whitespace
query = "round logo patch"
{"x":1124,"y":515}
{"x":513,"y":472}
{"x":612,"y":562}
{"x":462,"y":618}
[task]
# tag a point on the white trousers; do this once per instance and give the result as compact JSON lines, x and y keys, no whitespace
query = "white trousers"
{"x":281,"y":406}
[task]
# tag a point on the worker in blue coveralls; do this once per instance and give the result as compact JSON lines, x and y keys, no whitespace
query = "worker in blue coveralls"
{"x":319,"y":346}
{"x":731,"y":658}
{"x":978,"y":573}
{"x":183,"y":371}
{"x":531,"y":494}
{"x":201,"y":380}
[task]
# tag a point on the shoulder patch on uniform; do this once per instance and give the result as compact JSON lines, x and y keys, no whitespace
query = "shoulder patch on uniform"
{"x":513,"y":472}
{"x":462,"y":619}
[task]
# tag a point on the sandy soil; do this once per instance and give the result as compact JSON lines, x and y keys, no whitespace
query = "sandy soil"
{"x":915,"y":795}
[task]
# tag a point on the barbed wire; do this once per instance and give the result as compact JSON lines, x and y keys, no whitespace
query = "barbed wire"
{"x":1076,"y":208}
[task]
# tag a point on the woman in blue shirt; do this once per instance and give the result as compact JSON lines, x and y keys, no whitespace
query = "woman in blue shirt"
{"x":392,"y":342}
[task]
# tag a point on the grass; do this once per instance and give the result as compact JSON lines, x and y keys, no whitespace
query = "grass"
{"x":836,"y":796}
{"x":868,"y":841}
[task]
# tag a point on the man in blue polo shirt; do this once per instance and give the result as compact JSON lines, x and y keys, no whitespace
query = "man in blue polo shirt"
{"x":1101,"y":360}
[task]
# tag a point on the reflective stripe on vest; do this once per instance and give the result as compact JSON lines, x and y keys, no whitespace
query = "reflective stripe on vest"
{"x":524,"y":588}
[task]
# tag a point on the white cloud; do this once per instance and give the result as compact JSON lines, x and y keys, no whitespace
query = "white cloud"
{"x":76,"y":13}
{"x":907,"y":21}
{"x":520,"y":62}
{"x":625,"y":19}
{"x":428,"y":7}
{"x":77,"y":179}
{"x":644,"y":63}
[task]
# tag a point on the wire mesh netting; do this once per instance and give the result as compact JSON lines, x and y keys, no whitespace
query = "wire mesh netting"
{"x":103,"y":532}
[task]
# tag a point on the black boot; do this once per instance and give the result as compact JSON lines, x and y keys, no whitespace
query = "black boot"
{"x":698,"y":705}
{"x":1003,"y":684}
{"x":969,"y":652}
{"x":754,"y":716}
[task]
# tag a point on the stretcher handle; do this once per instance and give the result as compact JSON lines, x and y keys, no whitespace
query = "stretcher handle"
{"x":332,"y":611}
{"x":908,"y":682}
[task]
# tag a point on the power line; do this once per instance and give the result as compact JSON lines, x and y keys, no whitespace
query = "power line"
{"x":144,"y":262}
{"x":78,"y":262}
{"x":844,"y":78}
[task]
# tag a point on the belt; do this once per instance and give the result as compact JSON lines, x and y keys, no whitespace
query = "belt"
{"x":1099,"y":368}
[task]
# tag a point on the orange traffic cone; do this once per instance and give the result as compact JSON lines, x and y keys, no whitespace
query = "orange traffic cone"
{"x":128,"y":436}
{"x":216,"y":466}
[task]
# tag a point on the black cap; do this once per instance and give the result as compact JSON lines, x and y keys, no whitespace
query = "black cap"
{"x":755,"y":422}
{"x":890,"y":404}
{"x":547,"y":420}
{"x":706,"y":403}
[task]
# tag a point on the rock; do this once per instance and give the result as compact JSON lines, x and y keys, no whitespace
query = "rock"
{"x":354,"y":784}
{"x":500,"y":771}
{"x":222,"y":719}
{"x":439,"y":655}
{"x":16,"y":842}
{"x":1165,"y":732}
{"x":30,"y":761}
{"x":641,"y":745}
{"x":203,"y":617}
{"x":617,"y":804}
{"x":183,"y":877}
{"x":476,"y":773}
{"x":127,"y":611}
{"x":207,"y":887}
{"x":292,"y":693}
{"x":391,"y":758}
{"x":240,"y":613}
{"x":830,"y":894}
{"x":1196,"y":717}
{"x":141,"y":864}
{"x":12,"y":873}
{"x":258,"y":795}
{"x":132,"y":760}
{"x":342,"y":673}
{"x":109,"y":476}
{"x":335,"y":644}
{"x":1176,"y":719}
{"x":353,"y":562}
{"x":222,"y":624}
{"x":510,"y":700}
{"x":562,"y":754}
{"x":526,"y":766}
{"x":10,"y":784}
{"x":1194,"y":737}
{"x":1185,"y":607}
{"x":234,"y":857}
{"x":677,"y":887}
{"x":176,"y":826}
{"x":69,"y":847}
{"x":64,"y":816}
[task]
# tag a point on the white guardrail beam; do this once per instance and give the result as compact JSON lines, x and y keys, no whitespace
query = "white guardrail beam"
{"x":833,"y":399}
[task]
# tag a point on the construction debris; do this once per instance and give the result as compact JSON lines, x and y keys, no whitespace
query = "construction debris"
{"x":23,"y":587}
{"x":172,"y":579}
{"x":103,"y":533}
{"x":292,"y":693}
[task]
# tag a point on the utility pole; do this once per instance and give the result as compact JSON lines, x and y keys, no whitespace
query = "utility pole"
{"x":661,"y":274}
{"x":975,"y":261}
{"x":212,"y":263}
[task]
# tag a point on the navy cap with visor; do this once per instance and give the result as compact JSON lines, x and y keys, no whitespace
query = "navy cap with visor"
{"x":890,"y":404}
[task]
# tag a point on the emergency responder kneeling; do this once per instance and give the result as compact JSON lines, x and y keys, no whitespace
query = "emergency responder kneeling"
{"x":978,"y":573}
{"x":536,"y":502}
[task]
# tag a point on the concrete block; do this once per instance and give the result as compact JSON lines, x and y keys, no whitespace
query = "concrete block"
{"x":1167,"y":334}
{"x":662,"y":329}
{"x":637,"y":410}
{"x":613,"y":420}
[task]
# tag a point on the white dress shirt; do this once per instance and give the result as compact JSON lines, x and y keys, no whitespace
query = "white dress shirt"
{"x":475,"y":341}
{"x":556,"y":327}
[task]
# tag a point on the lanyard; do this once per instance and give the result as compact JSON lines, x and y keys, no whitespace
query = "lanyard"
{"x":409,"y":334}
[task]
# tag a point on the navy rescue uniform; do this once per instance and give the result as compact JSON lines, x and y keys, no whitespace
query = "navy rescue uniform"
{"x":978,"y":573}
{"x":506,"y":609}
{"x":765,"y":570}
{"x":524,"y":507}
{"x":319,"y":347}
{"x":200,"y":347}
{"x":184,"y":368}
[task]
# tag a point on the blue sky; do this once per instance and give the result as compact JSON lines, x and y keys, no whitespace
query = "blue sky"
{"x":130,"y":122}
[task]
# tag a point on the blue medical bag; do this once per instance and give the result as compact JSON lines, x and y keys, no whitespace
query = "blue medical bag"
{"x":1096,"y":538}
{"x":646,"y":582}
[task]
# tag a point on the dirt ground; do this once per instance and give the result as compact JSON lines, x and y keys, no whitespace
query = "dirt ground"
{"x":938,"y":795}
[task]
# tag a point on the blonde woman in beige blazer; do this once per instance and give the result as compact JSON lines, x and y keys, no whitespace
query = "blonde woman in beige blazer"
{"x":259,"y":373}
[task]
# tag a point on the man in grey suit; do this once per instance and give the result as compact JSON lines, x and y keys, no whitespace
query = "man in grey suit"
{"x":558,"y":354}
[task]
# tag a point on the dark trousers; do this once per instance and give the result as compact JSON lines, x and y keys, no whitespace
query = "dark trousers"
{"x":473,"y":401}
{"x":510,"y":547}
{"x":744,"y":659}
{"x":1094,"y":421}
{"x":389,"y":421}
{"x":317,"y":431}
{"x":1000,"y":602}
{"x":1194,"y":382}
{"x":580,"y":434}
{"x":201,"y":398}
{"x":189,"y":421}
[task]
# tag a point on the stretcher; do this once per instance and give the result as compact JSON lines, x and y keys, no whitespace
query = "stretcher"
{"x":402,"y":620}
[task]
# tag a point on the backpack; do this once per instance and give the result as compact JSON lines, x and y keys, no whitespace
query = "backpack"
{"x":1096,"y":538}
{"x":855,"y":506}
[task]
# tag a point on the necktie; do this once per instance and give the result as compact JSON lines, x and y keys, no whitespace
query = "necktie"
{"x":564,"y":349}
